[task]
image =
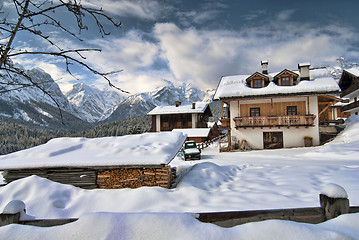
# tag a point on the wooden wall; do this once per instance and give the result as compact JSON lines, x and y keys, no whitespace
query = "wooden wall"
{"x":172,"y":121}
{"x":273,"y":109}
{"x":105,"y":178}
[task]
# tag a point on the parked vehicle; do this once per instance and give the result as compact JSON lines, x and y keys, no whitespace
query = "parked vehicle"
{"x":191,"y":151}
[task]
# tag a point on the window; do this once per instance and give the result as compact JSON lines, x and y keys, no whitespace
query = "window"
{"x":285,"y":81}
{"x":257,"y":83}
{"x":254,"y":112}
{"x":292,"y":110}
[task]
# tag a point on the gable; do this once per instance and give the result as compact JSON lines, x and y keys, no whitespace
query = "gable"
{"x":256,"y":77}
{"x":347,"y":78}
{"x":285,"y":74}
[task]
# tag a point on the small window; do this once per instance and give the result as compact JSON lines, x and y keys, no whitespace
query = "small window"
{"x":285,"y":81}
{"x":292,"y":110}
{"x":257,"y":83}
{"x":255,"y":112}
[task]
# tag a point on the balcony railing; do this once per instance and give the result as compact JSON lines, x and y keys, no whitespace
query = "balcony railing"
{"x":274,"y":121}
{"x":350,"y":106}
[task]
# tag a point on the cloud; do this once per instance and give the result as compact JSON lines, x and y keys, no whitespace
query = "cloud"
{"x":143,"y":81}
{"x":207,"y":12}
{"x":203,"y":56}
{"x":142,"y":9}
{"x":285,"y":14}
{"x":130,"y":52}
{"x":198,"y":56}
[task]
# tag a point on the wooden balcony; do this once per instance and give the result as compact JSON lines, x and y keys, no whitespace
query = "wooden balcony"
{"x":350,"y":106}
{"x":226,"y":124}
{"x":274,"y":121}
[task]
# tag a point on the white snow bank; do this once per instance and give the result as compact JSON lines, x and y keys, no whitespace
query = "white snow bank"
{"x":208,"y":176}
{"x":344,"y":147}
{"x":352,"y":120}
{"x":14,"y":206}
{"x":182,"y":226}
{"x":140,"y":149}
{"x":17,"y":206}
{"x":333,"y":190}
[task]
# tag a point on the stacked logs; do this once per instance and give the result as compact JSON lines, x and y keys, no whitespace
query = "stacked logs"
{"x":136,"y":177}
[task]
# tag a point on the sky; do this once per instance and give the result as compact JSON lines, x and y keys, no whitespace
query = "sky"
{"x":197,"y":42}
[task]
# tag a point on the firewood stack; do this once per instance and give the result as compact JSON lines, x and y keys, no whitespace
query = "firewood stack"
{"x":136,"y":177}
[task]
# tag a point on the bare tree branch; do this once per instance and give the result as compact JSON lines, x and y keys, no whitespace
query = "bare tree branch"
{"x":33,"y":15}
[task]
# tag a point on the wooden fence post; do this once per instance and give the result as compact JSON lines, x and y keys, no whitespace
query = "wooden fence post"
{"x":334,"y":200}
{"x":11,"y":213}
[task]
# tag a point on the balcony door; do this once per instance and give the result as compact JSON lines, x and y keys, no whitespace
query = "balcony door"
{"x":272,"y":140}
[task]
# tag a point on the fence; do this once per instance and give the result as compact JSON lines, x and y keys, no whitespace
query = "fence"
{"x":329,"y":208}
{"x":205,"y":144}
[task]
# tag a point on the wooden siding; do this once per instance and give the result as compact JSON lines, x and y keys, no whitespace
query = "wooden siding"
{"x":106,"y":177}
{"x":78,"y":177}
{"x":273,"y":109}
{"x":172,"y":121}
{"x":153,"y":127}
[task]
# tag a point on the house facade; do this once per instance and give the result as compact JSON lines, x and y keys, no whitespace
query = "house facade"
{"x":275,"y":110}
{"x":167,"y":118}
{"x":349,"y":84}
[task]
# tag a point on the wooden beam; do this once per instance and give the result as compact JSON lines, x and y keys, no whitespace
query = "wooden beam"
{"x":324,"y":109}
{"x":331,"y":97}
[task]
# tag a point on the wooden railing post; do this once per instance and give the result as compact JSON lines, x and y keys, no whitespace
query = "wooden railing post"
{"x":334,"y":200}
{"x":11,"y":213}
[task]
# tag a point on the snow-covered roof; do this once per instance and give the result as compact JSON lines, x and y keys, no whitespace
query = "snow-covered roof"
{"x":131,"y":150}
{"x":194,"y":132}
{"x":200,"y":107}
{"x":354,"y":71}
{"x":235,"y":86}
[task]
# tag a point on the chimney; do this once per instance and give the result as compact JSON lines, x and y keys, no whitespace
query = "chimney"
{"x":264,"y":64}
{"x":178,"y":103}
{"x":194,"y":105}
{"x":304,"y":71}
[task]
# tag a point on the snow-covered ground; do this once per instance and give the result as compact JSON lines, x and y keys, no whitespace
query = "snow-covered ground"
{"x":270,"y":179}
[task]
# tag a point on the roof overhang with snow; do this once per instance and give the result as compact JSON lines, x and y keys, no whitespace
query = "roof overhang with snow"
{"x":194,"y":132}
{"x":235,"y":87}
{"x":200,"y":107}
{"x":148,"y":149}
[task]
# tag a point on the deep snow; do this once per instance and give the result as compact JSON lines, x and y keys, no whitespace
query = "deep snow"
{"x":285,"y":178}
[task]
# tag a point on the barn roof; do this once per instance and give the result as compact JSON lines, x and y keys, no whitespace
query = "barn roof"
{"x":200,"y":107}
{"x":134,"y":150}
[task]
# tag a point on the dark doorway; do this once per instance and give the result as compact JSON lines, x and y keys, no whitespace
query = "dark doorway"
{"x":272,"y":140}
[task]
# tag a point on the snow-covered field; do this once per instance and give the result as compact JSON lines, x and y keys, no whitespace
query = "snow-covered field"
{"x":285,"y":178}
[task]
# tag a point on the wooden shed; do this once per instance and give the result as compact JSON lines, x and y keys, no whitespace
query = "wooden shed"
{"x":112,"y":162}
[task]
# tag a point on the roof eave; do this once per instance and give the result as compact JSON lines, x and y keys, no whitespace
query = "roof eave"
{"x":278,"y":95}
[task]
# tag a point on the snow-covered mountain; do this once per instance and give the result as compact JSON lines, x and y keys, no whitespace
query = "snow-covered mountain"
{"x":84,"y":104}
{"x":140,"y":104}
{"x":91,"y":104}
{"x":31,"y":105}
